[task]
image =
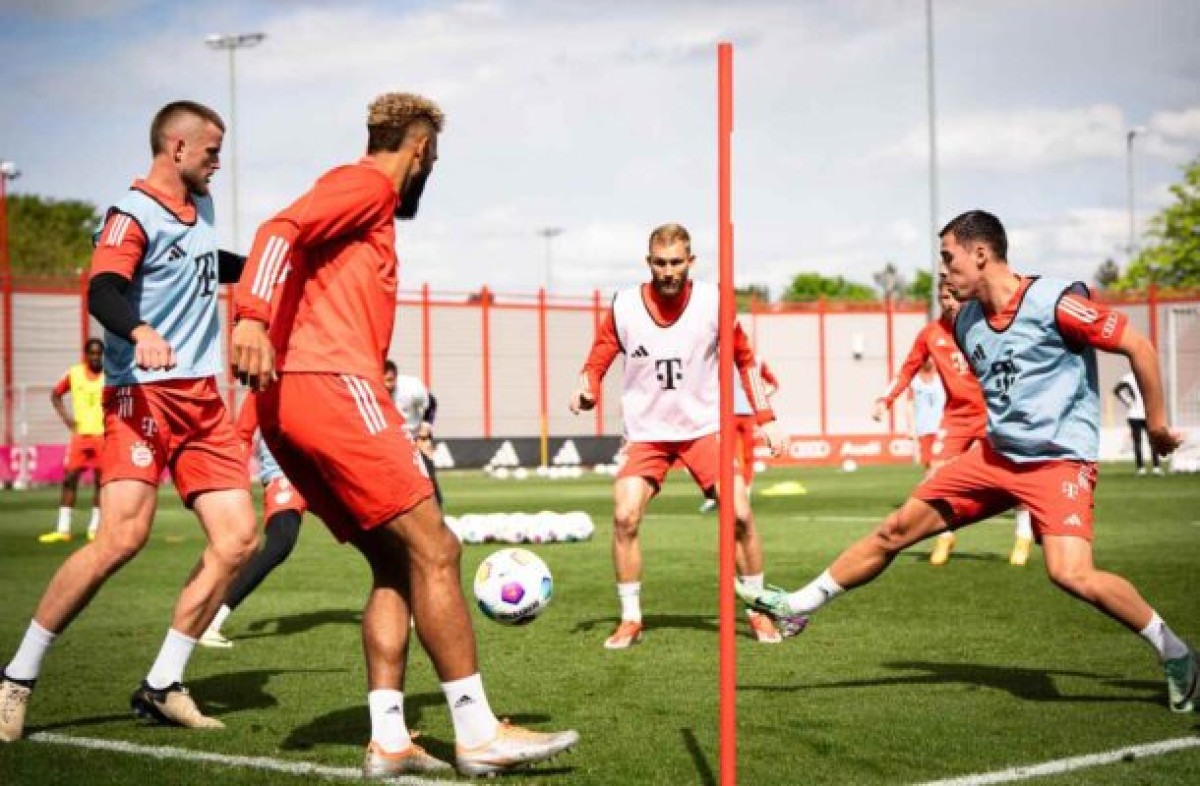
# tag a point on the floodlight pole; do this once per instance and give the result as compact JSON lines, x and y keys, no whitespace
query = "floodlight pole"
{"x":8,"y":171}
{"x":549,"y":233}
{"x":231,"y":42}
{"x":936,"y":246}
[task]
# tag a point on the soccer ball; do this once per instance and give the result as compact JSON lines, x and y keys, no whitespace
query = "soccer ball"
{"x":513,"y":586}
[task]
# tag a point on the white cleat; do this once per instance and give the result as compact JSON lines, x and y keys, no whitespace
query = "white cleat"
{"x":512,"y":748}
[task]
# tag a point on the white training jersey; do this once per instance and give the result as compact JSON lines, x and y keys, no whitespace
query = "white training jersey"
{"x":412,"y":399}
{"x":670,"y":391}
{"x":1136,"y":408}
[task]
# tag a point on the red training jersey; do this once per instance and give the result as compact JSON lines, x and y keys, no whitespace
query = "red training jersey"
{"x":965,"y":414}
{"x":333,"y":253}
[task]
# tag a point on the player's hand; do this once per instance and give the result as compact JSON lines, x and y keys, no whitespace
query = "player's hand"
{"x":777,"y":441}
{"x":879,"y":410}
{"x":151,"y":352}
{"x":253,"y":357}
{"x":1163,"y":441}
{"x":581,"y":401}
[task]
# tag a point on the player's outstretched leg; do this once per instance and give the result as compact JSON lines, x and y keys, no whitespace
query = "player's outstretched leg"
{"x":856,"y":566}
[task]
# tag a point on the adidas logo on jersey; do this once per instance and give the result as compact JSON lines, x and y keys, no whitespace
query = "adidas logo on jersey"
{"x":640,"y":352}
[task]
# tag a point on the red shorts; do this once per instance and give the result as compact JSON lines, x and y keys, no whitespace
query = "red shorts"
{"x":281,"y":495}
{"x":341,"y":442}
{"x":651,"y":460}
{"x":946,"y":447}
{"x":84,"y":452}
{"x":1059,"y":494}
{"x":181,"y":425}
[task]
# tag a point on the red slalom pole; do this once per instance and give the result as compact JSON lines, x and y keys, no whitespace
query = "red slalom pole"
{"x":727,"y":678}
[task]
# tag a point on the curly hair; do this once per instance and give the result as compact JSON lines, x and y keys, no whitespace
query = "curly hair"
{"x":392,"y":115}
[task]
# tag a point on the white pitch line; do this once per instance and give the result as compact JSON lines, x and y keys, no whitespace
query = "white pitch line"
{"x":1067,"y":765}
{"x":262,"y":763}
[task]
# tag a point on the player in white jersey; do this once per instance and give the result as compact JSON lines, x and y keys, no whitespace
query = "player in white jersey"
{"x":667,"y":330}
{"x":419,"y":408}
{"x":153,"y":288}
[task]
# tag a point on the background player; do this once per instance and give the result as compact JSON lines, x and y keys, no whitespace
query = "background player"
{"x":929,"y":400}
{"x":283,"y":509}
{"x":85,"y":383}
{"x":153,"y":288}
{"x":964,"y":418}
{"x":419,"y":408}
{"x":338,"y":437}
{"x":1032,"y":342}
{"x":745,"y":427}
{"x":1126,"y":391}
{"x":667,"y":330}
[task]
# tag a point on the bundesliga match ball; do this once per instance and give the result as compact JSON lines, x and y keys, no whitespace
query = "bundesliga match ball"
{"x":513,"y":586}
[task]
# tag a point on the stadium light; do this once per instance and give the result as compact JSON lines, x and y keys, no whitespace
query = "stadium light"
{"x":549,"y":233}
{"x":231,"y":42}
{"x":1131,"y":248}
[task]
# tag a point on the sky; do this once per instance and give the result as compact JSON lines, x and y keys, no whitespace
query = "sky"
{"x":598,"y":117}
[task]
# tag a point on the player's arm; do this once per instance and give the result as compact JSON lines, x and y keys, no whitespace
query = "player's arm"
{"x":120,"y":247}
{"x":912,"y":364}
{"x":752,"y":384}
{"x":605,"y":348}
{"x":56,"y":401}
{"x":1083,"y":322}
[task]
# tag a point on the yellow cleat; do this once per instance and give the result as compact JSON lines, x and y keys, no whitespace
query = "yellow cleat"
{"x":942,"y":549}
{"x":1020,"y":552}
{"x":55,"y":537}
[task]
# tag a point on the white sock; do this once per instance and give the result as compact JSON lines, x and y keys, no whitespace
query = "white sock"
{"x":172,"y":660}
{"x":219,"y":620}
{"x":64,"y":521}
{"x":474,"y":722}
{"x":27,"y":663}
{"x":94,"y":523}
{"x":388,"y":729}
{"x":1024,"y":524}
{"x":630,"y":595}
{"x":1163,"y":639}
{"x":815,"y":594}
{"x":753,"y":582}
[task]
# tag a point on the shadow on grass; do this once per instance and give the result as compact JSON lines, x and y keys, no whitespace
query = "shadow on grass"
{"x":352,"y":726}
{"x":1024,"y":684}
{"x":299,"y":623}
{"x":703,"y":770}
{"x":655,"y":622}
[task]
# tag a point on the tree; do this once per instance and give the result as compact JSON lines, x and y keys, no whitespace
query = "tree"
{"x":48,"y":236}
{"x":807,"y":287}
{"x":1107,"y":274}
{"x":921,"y":289}
{"x":1173,"y":257}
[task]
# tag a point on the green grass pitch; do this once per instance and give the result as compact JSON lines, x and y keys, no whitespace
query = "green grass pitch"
{"x":929,"y":673}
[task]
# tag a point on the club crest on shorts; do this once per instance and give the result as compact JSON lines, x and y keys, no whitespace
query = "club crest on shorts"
{"x":141,"y":455}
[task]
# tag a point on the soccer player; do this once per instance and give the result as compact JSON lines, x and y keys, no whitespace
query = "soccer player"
{"x":667,"y":330}
{"x":338,"y":437}
{"x":929,"y":400}
{"x":153,"y":287}
{"x":419,"y":408}
{"x":964,"y":418}
{"x":1126,"y":391}
{"x":1032,"y":342}
{"x":283,"y":509}
{"x":745,"y":426}
{"x":85,"y":383}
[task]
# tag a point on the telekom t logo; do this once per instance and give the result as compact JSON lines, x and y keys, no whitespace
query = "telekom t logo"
{"x":668,"y":372}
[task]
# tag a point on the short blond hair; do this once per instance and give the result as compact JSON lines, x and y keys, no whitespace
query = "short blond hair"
{"x":391,"y":116}
{"x":667,"y":234}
